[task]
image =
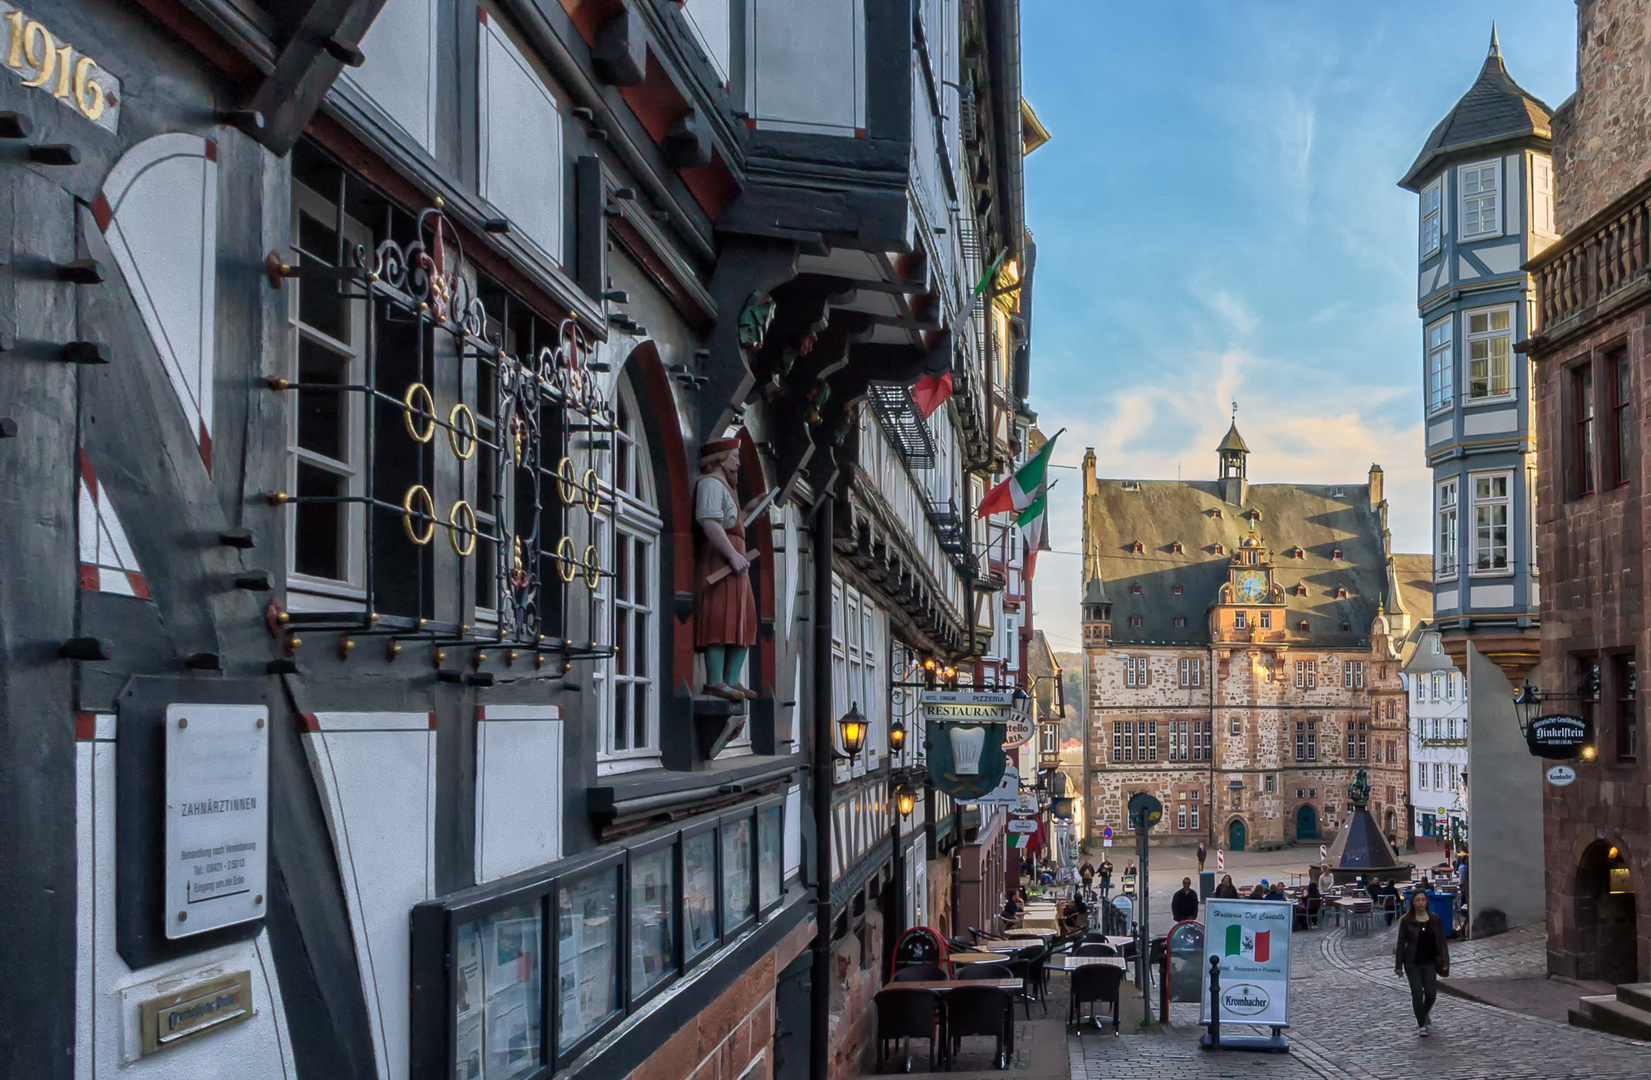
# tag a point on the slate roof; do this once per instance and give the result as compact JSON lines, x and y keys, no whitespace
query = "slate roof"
{"x":1494,"y":109}
{"x":1233,"y":440}
{"x":1319,"y":519}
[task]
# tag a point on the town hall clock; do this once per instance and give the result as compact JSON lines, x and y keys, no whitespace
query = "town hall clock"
{"x":1250,"y":586}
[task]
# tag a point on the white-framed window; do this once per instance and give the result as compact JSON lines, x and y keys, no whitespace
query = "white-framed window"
{"x":1306,"y":674}
{"x":1432,"y":214}
{"x":1439,"y":776}
{"x":1352,"y":675}
{"x":1180,"y":815}
{"x":1240,"y":621}
{"x":1450,"y":687}
{"x":1441,"y":365}
{"x":1492,"y":505}
{"x":326,"y":434}
{"x":1192,"y":672}
{"x":1437,"y":682}
{"x":859,"y":641}
{"x":627,"y":604}
{"x":1446,"y":541}
{"x":1421,"y":776}
{"x":1490,"y":353}
{"x":1136,"y":672}
{"x":1480,"y":185}
{"x":1542,"y":196}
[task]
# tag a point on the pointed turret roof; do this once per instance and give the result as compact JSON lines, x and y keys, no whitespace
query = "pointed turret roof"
{"x":1233,"y":441}
{"x":1494,"y":109}
{"x":1095,"y":591}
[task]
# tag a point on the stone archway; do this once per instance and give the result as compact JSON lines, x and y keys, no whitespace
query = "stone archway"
{"x":1236,"y":834}
{"x":1607,"y":938}
{"x":1307,"y":822}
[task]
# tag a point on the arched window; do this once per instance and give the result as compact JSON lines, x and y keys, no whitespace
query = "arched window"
{"x":627,"y":603}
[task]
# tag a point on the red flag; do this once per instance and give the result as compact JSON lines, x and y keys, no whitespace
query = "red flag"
{"x":931,"y":392}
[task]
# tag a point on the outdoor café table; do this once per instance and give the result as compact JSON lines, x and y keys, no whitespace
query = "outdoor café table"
{"x":976,"y":957}
{"x":946,"y":986}
{"x":1028,"y":932}
{"x":1068,"y":962}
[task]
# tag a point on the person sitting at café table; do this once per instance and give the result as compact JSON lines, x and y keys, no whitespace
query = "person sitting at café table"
{"x":1011,"y":909}
{"x":1327,"y":880}
{"x":1260,"y":890}
{"x":1226,"y":890}
{"x":1184,"y":904}
{"x":1276,"y":891}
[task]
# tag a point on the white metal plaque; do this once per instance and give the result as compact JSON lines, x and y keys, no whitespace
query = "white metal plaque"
{"x":217,"y":816}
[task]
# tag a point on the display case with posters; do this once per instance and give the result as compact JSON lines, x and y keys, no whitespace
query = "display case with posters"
{"x":699,"y":892}
{"x":515,"y":979}
{"x":770,"y":854}
{"x":655,"y":930}
{"x":738,"y":872}
{"x":587,"y":954}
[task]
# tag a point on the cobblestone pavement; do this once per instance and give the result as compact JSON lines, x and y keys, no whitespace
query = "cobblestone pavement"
{"x":1352,"y":1021}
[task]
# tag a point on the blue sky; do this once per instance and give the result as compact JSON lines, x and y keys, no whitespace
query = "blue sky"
{"x":1217,"y":219}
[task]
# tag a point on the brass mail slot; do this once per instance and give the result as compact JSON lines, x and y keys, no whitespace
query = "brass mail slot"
{"x":195,"y":1010}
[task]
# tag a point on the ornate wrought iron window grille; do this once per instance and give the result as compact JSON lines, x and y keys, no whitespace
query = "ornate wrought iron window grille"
{"x":480,"y":421}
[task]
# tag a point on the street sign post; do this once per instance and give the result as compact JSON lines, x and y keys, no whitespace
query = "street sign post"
{"x":1247,"y":944}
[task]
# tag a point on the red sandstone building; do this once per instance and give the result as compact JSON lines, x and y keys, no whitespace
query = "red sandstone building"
{"x":1593,"y":311}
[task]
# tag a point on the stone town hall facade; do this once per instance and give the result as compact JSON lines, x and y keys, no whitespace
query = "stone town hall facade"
{"x":1243,"y":650}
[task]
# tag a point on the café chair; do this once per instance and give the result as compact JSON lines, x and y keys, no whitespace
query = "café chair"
{"x":979,"y":1010}
{"x":920,"y":973}
{"x":1095,"y":948}
{"x":907,"y":1015}
{"x":984,"y":971}
{"x":1095,"y":983}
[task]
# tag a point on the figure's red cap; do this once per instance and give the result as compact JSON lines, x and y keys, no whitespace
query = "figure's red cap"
{"x":718,"y":446}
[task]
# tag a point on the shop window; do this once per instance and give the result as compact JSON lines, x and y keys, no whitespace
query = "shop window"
{"x":699,"y":893}
{"x":587,"y":950}
{"x":500,"y":1000}
{"x":738,"y":882}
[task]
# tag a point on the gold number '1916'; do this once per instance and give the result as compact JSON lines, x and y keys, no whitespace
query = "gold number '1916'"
{"x":32,"y":48}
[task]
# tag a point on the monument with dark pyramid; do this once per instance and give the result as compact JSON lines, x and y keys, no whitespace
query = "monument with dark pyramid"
{"x":1361,"y":850}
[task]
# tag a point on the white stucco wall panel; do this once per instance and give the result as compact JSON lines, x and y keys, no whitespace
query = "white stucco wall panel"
{"x":518,"y":788}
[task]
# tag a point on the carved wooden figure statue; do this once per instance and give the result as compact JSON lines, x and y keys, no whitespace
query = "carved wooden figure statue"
{"x":725,"y":611}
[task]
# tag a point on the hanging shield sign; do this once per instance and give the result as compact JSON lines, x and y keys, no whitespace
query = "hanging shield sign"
{"x":1021,"y":730}
{"x":964,"y":739}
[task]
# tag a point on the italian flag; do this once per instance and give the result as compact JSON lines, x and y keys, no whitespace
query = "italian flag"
{"x":1026,"y":495}
{"x":1020,"y":840}
{"x":1023,"y":491}
{"x":1252,"y":945}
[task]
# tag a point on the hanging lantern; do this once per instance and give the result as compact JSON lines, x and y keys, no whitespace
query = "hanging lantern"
{"x":852,"y":726}
{"x":897,"y":737}
{"x":904,"y":800}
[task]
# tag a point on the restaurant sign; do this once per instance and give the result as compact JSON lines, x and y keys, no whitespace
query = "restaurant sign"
{"x":964,"y":737}
{"x":1559,"y":736}
{"x":1250,"y":941}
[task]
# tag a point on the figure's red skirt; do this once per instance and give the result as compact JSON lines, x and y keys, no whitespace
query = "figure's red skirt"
{"x":724,"y":613}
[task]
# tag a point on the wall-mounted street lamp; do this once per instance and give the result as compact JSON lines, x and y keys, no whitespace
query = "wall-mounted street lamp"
{"x":852,"y":726}
{"x":897,"y":737}
{"x":904,"y":800}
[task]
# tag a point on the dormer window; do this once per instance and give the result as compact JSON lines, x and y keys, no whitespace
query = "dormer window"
{"x":1135,"y":590}
{"x":1135,"y":620}
{"x":1137,"y":547}
{"x":1216,"y":512}
{"x":1175,"y":548}
{"x":1346,"y":628}
{"x":1301,"y":590}
{"x":1302,"y":625}
{"x":1180,"y":621}
{"x":1336,"y":554}
{"x":1130,"y":485}
{"x":1297,"y":553}
{"x":1341,"y":594}
{"x":1219,"y":550}
{"x":1176,"y":589}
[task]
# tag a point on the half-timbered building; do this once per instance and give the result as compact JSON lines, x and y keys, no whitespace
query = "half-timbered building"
{"x":357,"y":358}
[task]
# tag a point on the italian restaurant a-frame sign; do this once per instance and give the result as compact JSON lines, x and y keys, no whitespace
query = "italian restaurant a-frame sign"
{"x":964,"y":733}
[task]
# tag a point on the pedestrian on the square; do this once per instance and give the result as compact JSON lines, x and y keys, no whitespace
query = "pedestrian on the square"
{"x":1421,"y":955}
{"x":1327,"y":880}
{"x":1184,"y":904}
{"x":1201,"y":856}
{"x":1226,"y":890}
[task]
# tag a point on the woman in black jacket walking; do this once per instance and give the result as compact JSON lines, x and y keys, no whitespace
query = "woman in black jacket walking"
{"x":1421,"y":955}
